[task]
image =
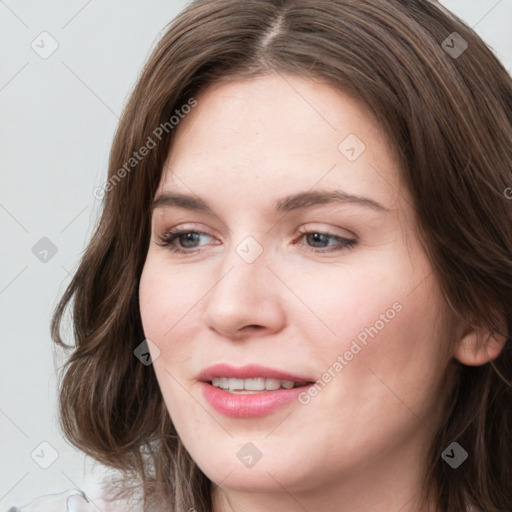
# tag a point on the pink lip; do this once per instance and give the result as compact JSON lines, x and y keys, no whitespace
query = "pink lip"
{"x":251,"y":405}
{"x":250,"y":371}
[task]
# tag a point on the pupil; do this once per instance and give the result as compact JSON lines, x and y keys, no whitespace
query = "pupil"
{"x":189,"y":237}
{"x":317,"y":237}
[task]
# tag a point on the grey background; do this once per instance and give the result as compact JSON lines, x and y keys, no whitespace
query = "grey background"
{"x":58,"y":119}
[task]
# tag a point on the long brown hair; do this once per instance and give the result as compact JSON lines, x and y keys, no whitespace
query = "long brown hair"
{"x":449,"y":118}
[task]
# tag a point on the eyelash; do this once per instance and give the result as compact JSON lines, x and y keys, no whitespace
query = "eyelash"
{"x":168,"y":239}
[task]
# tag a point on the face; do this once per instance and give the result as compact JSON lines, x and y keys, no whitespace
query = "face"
{"x":331,"y":288}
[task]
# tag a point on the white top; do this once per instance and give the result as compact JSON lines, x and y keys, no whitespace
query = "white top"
{"x":73,"y":500}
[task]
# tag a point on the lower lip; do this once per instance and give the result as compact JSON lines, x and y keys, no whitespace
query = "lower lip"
{"x":238,"y":405}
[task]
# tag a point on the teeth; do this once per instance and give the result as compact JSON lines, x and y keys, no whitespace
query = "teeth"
{"x":235,"y":384}
{"x":256,"y":384}
{"x":272,"y":384}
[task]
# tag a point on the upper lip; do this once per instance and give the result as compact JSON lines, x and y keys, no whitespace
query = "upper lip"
{"x":248,"y":372}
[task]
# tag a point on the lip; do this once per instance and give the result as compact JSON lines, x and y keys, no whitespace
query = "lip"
{"x":250,"y":371}
{"x":237,"y":405}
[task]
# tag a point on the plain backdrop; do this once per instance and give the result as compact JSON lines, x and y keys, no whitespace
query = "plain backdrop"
{"x":58,"y":117}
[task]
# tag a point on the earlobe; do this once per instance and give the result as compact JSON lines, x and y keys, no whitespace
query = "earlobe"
{"x":478,"y":346}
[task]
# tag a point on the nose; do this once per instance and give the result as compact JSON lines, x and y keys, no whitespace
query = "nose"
{"x":246,"y":299}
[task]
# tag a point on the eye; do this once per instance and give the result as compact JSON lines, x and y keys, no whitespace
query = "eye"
{"x":188,"y":239}
{"x":321,"y":240}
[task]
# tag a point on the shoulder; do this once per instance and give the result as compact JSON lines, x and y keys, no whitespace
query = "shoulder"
{"x":72,"y":500}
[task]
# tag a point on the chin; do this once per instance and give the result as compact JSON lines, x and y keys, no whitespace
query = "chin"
{"x":269,"y":475}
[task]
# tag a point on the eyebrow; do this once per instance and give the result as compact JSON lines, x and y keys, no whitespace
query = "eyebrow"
{"x":301,"y":200}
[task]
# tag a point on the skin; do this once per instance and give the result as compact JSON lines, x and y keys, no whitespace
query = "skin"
{"x":362,"y":441}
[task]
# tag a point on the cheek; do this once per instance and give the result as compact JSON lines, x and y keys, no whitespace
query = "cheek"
{"x":166,"y":299}
{"x":164,"y":304}
{"x":387,"y":320}
{"x":152,"y":303}
{"x":348,"y":300}
{"x":395,"y":357}
{"x":169,"y":300}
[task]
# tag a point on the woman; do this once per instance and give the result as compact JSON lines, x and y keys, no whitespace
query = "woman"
{"x":298,"y":296}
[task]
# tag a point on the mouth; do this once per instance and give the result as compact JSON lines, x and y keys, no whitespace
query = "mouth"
{"x":250,"y":391}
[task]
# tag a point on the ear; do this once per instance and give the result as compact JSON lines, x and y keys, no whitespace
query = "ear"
{"x":478,"y":345}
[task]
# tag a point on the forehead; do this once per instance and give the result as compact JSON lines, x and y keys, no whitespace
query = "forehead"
{"x":280,"y":132}
{"x":277,"y":105}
